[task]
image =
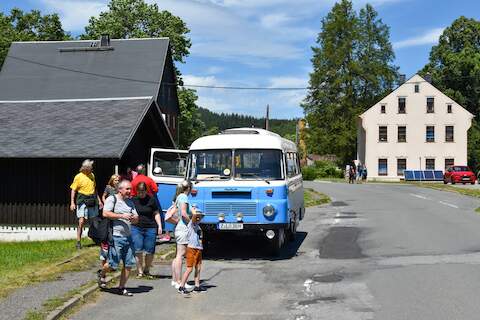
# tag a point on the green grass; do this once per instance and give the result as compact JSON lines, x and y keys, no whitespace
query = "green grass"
{"x":314,"y":198}
{"x":445,"y":187}
{"x":24,"y":263}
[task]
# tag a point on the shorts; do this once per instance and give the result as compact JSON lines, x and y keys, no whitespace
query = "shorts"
{"x":122,"y":250}
{"x":193,"y":257}
{"x":181,"y":234}
{"x":86,"y":212}
{"x":144,"y":239}
{"x":103,"y":251}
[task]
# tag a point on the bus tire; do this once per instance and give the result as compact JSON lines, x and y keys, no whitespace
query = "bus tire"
{"x":277,"y":242}
{"x":292,"y":231}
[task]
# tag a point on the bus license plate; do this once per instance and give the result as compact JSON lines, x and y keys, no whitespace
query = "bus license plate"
{"x":230,"y":226}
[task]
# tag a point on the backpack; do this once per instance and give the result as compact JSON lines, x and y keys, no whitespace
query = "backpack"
{"x":100,"y":228}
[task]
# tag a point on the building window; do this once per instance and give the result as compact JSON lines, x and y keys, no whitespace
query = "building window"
{"x":449,"y":163}
{"x":382,"y":167}
{"x":382,"y":134}
{"x":382,"y":108}
{"x":429,"y":164}
{"x":449,"y":108}
{"x":430,"y":105}
{"x":401,"y":166}
{"x":417,"y":88}
{"x":402,"y":134}
{"x":448,"y":133}
{"x":430,"y":134}
{"x":401,"y":105}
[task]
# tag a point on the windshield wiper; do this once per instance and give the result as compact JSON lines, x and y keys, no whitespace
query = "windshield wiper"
{"x":213,"y":177}
{"x":249,"y":174}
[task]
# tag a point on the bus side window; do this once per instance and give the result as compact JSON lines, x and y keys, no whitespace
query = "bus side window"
{"x":290,"y":165}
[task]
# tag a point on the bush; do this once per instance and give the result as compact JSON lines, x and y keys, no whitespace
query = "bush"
{"x":322,"y":169}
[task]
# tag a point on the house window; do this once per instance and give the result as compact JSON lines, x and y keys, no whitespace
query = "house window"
{"x":430,"y":137}
{"x":449,"y":163}
{"x":382,"y":134}
{"x":382,"y":108}
{"x":448,"y":133}
{"x":430,"y":105}
{"x":402,"y":134}
{"x":417,"y":88}
{"x":382,"y":167}
{"x":401,"y":166}
{"x":429,"y":164}
{"x":449,"y":108}
{"x":401,"y":105}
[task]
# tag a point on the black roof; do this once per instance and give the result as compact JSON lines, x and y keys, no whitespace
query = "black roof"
{"x":70,"y":129}
{"x":45,"y":70}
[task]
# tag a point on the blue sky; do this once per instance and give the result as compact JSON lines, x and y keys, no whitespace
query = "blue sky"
{"x":267,"y":43}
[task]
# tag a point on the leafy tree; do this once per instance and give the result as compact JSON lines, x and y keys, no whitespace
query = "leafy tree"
{"x":352,"y":67}
{"x":137,"y":19}
{"x":454,"y":66}
{"x":190,"y":125}
{"x":28,"y":26}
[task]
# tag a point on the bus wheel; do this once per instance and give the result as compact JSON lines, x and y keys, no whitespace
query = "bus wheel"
{"x":292,"y":231}
{"x":277,"y":242}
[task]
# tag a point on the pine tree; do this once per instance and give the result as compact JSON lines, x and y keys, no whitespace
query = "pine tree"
{"x":351,"y":68}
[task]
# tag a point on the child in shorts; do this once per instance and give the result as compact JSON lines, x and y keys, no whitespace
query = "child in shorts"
{"x":194,"y":253}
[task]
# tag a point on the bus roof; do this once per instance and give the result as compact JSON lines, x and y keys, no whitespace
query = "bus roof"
{"x":244,"y":138}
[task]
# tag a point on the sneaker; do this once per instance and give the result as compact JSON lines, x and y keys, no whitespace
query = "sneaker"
{"x":199,"y":289}
{"x":173,"y":283}
{"x":164,"y":238}
{"x":182,"y":290}
{"x":189,"y":286}
{"x":78,"y":245}
{"x":177,"y":285}
{"x":125,"y":292}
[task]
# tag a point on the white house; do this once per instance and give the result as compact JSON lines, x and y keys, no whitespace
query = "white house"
{"x":416,"y":127}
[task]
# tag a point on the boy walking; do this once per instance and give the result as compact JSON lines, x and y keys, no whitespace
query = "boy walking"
{"x":194,"y":253}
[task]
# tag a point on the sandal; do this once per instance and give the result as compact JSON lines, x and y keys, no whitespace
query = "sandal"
{"x":140,"y":275}
{"x":125,"y":292}
{"x":102,"y":282}
{"x":148,"y":275}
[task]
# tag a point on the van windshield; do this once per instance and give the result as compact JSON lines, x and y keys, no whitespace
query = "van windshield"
{"x":258,"y":164}
{"x":210,"y":165}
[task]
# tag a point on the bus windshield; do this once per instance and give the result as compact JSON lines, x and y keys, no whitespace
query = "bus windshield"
{"x":258,"y":164}
{"x":210,"y":165}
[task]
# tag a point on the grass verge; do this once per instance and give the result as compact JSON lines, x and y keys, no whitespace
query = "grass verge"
{"x":314,"y":198}
{"x":445,"y":187}
{"x":54,"y":303}
{"x":24,"y":263}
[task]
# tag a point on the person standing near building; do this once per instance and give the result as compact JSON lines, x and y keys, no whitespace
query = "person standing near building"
{"x":121,"y":209}
{"x":84,"y":198}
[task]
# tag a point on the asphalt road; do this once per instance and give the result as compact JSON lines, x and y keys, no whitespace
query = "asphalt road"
{"x":379,"y":251}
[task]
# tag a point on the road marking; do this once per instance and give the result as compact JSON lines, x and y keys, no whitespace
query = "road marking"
{"x":448,"y":204}
{"x":418,"y":196}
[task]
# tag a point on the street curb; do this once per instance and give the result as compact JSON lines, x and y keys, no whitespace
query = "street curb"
{"x":75,"y":300}
{"x":58,"y":312}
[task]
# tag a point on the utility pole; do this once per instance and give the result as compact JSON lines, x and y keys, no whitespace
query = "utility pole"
{"x":267,"y":124}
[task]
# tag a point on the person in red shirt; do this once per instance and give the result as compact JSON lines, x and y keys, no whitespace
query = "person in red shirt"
{"x":152,"y":187}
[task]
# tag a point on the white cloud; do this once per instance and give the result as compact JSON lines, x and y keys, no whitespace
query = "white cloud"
{"x":274,"y":20}
{"x":429,"y":37}
{"x":74,"y":13}
{"x":288,"y":82}
{"x":214,"y":70}
{"x":200,"y":81}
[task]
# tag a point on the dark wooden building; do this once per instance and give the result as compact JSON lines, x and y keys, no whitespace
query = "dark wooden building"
{"x":63,"y":102}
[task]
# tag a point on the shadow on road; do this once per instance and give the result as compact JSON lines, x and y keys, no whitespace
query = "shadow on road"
{"x":134,"y":290}
{"x":231,"y":246}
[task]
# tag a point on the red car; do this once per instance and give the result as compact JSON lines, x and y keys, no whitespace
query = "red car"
{"x":459,"y":174}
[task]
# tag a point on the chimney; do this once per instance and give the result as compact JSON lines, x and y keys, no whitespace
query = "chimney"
{"x":105,"y":40}
{"x":401,"y":79}
{"x":428,"y":78}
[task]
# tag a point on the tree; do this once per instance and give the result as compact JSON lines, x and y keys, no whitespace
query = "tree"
{"x":137,"y":19}
{"x":454,"y":66}
{"x":190,"y":125}
{"x":352,"y":67}
{"x":30,"y":26}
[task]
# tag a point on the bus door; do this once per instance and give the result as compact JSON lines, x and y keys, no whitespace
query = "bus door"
{"x":167,"y":168}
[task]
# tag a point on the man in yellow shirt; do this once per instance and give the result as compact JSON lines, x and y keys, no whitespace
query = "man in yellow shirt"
{"x":84,"y":198}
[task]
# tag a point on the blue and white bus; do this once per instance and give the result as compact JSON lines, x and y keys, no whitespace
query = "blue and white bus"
{"x":244,"y":180}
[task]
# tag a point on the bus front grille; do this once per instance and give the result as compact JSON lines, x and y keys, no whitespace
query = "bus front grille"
{"x":248,"y":209}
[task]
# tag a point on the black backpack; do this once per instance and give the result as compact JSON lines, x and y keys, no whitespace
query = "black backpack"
{"x":100,"y":228}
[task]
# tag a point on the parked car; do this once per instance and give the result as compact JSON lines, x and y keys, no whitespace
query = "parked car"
{"x":459,"y":174}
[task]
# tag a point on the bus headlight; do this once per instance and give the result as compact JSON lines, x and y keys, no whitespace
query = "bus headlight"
{"x":221,"y":217}
{"x":268,"y":211}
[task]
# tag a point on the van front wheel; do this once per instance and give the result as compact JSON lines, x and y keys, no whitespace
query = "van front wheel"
{"x":275,"y":244}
